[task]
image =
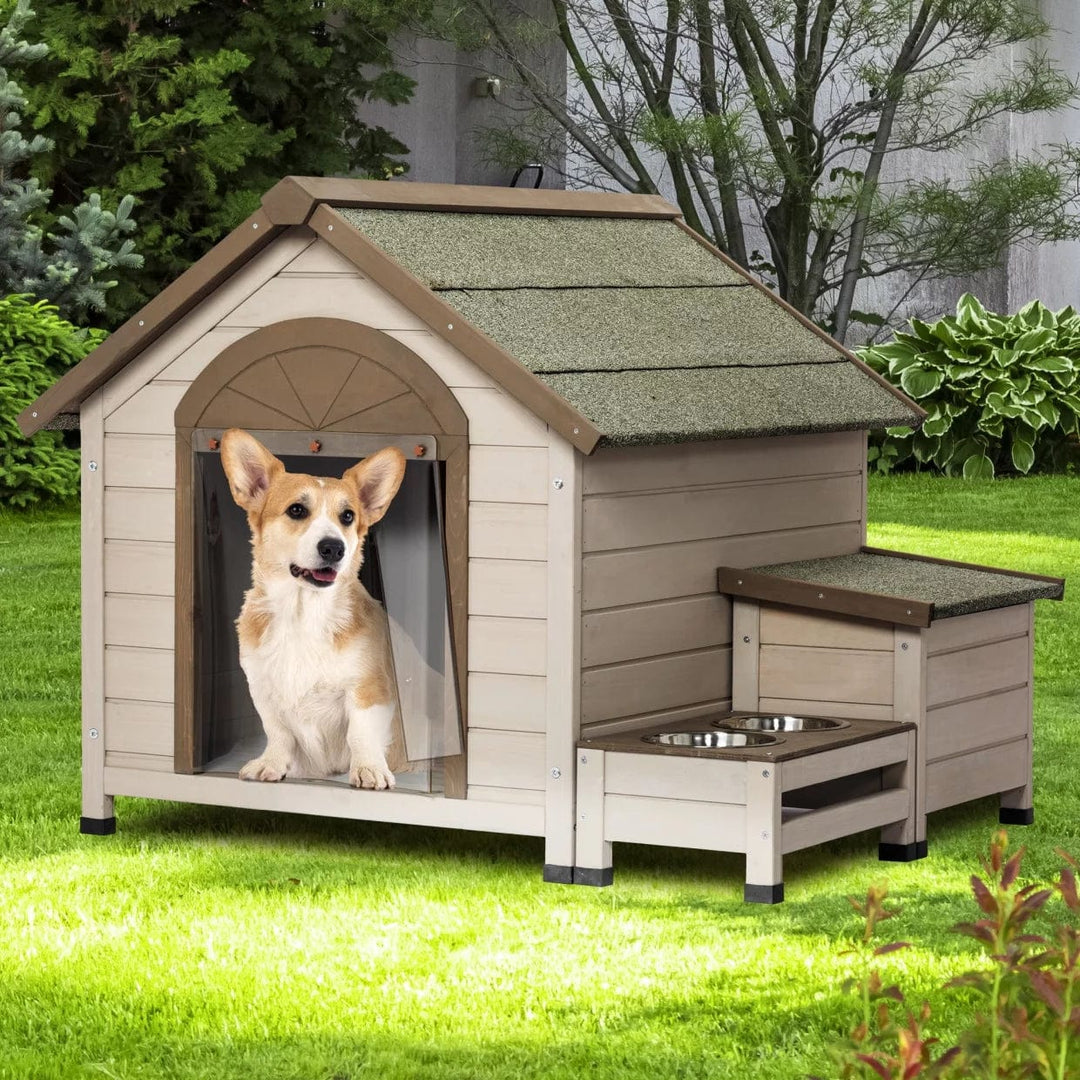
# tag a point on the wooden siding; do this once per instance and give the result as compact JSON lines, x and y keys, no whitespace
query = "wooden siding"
{"x":299,"y":276}
{"x":658,"y":521}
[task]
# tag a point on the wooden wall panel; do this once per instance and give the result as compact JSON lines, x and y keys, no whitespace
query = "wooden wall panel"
{"x":967,"y":673}
{"x":979,"y":722}
{"x":139,"y":674}
{"x":507,"y":531}
{"x":507,"y":702}
{"x":149,"y":411}
{"x":982,"y":627}
{"x":790,"y":626}
{"x":507,"y":646}
{"x":139,"y":621}
{"x":139,"y":727}
{"x":133,"y":566}
{"x":506,"y":759}
{"x":509,"y":587}
{"x":850,"y":675}
{"x":140,"y":461}
{"x":971,"y":776}
{"x":139,"y":514}
{"x":508,"y":474}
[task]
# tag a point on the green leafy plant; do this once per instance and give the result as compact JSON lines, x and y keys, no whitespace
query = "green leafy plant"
{"x":1028,"y":1022}
{"x":1001,"y":392}
{"x":37,"y":346}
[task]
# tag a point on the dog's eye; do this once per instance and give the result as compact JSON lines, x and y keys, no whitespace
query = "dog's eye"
{"x":347,"y":517}
{"x":297,"y":511}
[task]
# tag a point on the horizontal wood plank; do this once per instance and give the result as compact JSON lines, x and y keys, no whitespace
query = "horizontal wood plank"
{"x":148,"y":412}
{"x":510,"y":587}
{"x":507,"y":531}
{"x":845,"y":761}
{"x":319,"y":258}
{"x":976,"y":723}
{"x":841,"y":710}
{"x":507,"y":702}
{"x":685,"y":715}
{"x":674,"y":823}
{"x":510,"y":474}
{"x":980,"y":628}
{"x":142,"y":567}
{"x":632,"y":633}
{"x":496,"y":419}
{"x":971,"y":776}
{"x":147,"y":461}
{"x":954,"y":676}
{"x":506,"y":759}
{"x":851,"y":675}
{"x":139,"y":674}
{"x":845,"y":819}
{"x":139,"y":514}
{"x":190,"y":363}
{"x":662,"y":777}
{"x":139,"y":727}
{"x":507,"y":646}
{"x":140,"y":621}
{"x":512,"y":796}
{"x":450,"y":364}
{"x":115,"y":759}
{"x":788,"y":626}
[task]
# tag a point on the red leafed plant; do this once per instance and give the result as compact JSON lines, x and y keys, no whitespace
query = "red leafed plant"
{"x":1029,"y":1019}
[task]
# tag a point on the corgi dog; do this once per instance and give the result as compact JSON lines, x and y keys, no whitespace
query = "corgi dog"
{"x":314,"y":645}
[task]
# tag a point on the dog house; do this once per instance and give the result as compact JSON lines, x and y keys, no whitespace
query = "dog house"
{"x":600,"y":412}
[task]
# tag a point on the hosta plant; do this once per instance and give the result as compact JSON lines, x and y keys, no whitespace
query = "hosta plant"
{"x":1002,"y":392}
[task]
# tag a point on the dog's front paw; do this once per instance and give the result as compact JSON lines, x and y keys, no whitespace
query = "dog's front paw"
{"x":263,"y":768}
{"x":366,"y":775}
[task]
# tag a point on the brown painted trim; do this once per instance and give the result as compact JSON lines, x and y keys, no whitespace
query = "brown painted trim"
{"x":288,"y":202}
{"x":808,"y":323}
{"x":187,"y":732}
{"x":147,"y":325}
{"x":969,"y":566}
{"x":734,"y":581}
{"x":454,"y":449}
{"x":459,"y":198}
{"x":451,"y":326}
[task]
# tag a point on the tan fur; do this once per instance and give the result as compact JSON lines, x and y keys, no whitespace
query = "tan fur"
{"x":317,"y":658}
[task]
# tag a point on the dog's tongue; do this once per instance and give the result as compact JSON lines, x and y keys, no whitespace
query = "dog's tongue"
{"x":326,"y":574}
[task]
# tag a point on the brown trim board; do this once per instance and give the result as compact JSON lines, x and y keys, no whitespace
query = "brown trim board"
{"x":451,"y":326}
{"x":808,"y":323}
{"x":148,"y":324}
{"x":734,"y":581}
{"x":967,"y":566}
{"x":291,"y":200}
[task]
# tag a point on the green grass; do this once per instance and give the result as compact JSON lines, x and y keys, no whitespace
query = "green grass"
{"x":208,"y":943}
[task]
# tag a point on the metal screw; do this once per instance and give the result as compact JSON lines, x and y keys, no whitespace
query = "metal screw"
{"x":314,"y":446}
{"x":419,"y":451}
{"x":821,"y":596}
{"x":739,"y":582}
{"x":556,"y":773}
{"x":449,"y":326}
{"x":765,"y":773}
{"x":903,"y":645}
{"x":141,"y":323}
{"x":584,"y":759}
{"x":329,"y":228}
{"x":34,"y":415}
{"x":577,"y":431}
{"x":92,"y":466}
{"x":557,"y":484}
{"x":93,"y":733}
{"x":746,"y":639}
{"x":254,"y":224}
{"x":909,"y":611}
{"x":764,"y":836}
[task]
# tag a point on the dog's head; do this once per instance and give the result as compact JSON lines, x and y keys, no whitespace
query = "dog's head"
{"x":309,"y":527}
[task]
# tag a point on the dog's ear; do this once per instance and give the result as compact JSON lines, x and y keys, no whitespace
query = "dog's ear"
{"x":249,"y":466}
{"x":377,"y":480}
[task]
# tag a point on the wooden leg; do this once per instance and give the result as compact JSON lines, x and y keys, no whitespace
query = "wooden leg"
{"x":899,"y":841}
{"x":764,"y":854}
{"x":1017,"y":805}
{"x":593,"y":852}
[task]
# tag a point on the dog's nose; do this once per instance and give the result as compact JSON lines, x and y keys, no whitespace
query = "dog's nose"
{"x":331,"y":549}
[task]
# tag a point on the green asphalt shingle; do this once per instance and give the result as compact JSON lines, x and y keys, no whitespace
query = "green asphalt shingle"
{"x":953,"y":590}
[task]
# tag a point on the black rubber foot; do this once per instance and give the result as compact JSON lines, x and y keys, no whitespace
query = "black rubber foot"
{"x":1016,"y":815}
{"x":763,"y":894}
{"x":558,"y":875}
{"x":586,"y":875}
{"x":902,"y":852}
{"x":96,"y":826}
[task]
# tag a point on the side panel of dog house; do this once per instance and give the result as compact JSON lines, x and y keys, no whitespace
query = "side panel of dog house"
{"x":507,"y":520}
{"x":657,"y":522}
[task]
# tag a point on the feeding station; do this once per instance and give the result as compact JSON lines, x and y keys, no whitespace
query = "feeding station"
{"x":634,"y":515}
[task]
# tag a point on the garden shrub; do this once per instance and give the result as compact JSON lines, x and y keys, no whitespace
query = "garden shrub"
{"x":37,"y":347}
{"x":1001,"y":392}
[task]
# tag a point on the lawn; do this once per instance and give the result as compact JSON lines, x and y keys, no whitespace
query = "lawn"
{"x":227,"y":944}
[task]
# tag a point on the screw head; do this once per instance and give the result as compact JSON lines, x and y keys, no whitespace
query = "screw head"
{"x":556,"y":772}
{"x":449,"y":326}
{"x":764,"y":835}
{"x":92,"y":466}
{"x":765,"y":773}
{"x":314,"y":446}
{"x":557,"y":484}
{"x":903,"y":645}
{"x":746,"y":639}
{"x":419,"y":451}
{"x":584,"y":759}
{"x":93,"y":733}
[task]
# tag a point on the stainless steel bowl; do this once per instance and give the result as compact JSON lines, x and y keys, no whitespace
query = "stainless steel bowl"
{"x":711,"y":740}
{"x":779,"y":723}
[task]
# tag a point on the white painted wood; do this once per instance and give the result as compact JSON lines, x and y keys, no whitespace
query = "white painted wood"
{"x":654,"y":685}
{"x":675,"y":823}
{"x":852,"y":675}
{"x":510,"y":587}
{"x":975,"y":723}
{"x":636,"y":576}
{"x":841,"y":710}
{"x":200,"y":323}
{"x":659,"y":468}
{"x":149,"y":411}
{"x":139,"y":674}
{"x":764,"y":854}
{"x":141,"y":621}
{"x":139,"y":514}
{"x":661,"y":776}
{"x":746,"y":618}
{"x":844,"y":761}
{"x":614,"y":522}
{"x":955,"y":676}
{"x":980,"y":628}
{"x":592,"y":851}
{"x":789,"y":626}
{"x":496,"y":419}
{"x":518,"y":796}
{"x":971,"y":776}
{"x":194,"y":359}
{"x":135,"y":566}
{"x":563,"y":648}
{"x":507,"y":646}
{"x":320,"y":258}
{"x":139,"y":727}
{"x":513,"y":474}
{"x":845,"y":819}
{"x":146,"y":461}
{"x":507,"y":702}
{"x":115,"y":759}
{"x":507,"y":531}
{"x":329,"y":800}
{"x":1021,"y":798}
{"x":631,"y":633}
{"x":292,"y":296}
{"x":96,"y":803}
{"x":902,"y":777}
{"x":863,"y":469}
{"x":910,"y":673}
{"x":709,"y":709}
{"x":509,"y":759}
{"x":450,"y":364}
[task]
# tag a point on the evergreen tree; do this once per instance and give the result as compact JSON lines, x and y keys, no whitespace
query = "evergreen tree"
{"x":63,"y":266}
{"x":197,"y":107}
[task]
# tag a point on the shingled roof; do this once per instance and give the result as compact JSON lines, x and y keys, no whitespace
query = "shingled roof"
{"x":603,"y":313}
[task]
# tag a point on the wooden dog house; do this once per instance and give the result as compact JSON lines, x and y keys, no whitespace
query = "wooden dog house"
{"x":608,"y":410}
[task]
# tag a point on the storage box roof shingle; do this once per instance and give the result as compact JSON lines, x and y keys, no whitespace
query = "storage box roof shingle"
{"x":602,"y":313}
